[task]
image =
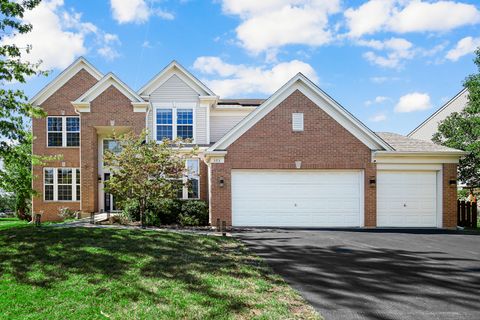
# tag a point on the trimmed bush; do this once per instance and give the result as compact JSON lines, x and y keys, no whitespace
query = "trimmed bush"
{"x":169,"y":212}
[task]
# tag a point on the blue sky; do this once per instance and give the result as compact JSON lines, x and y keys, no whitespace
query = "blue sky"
{"x":389,"y":62}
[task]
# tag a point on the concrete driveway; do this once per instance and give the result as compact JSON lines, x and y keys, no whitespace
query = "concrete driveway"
{"x":377,"y":274}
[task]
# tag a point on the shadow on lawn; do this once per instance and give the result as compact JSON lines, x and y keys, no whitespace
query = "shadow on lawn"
{"x":340,"y":277}
{"x":101,"y":254}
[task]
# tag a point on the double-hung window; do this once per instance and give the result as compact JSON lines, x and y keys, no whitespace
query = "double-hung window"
{"x":164,"y":124}
{"x":61,"y":184}
{"x":173,"y":123}
{"x":63,"y":131}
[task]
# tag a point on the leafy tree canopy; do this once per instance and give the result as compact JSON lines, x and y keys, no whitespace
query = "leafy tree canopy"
{"x":461,"y":130}
{"x":145,"y":172}
{"x":14,"y":106}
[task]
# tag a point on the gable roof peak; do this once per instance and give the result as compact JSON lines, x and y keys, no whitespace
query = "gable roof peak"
{"x":167,"y":72}
{"x":110,"y":79}
{"x":81,"y":63}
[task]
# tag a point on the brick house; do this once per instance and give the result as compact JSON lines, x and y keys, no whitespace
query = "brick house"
{"x":296,"y":159}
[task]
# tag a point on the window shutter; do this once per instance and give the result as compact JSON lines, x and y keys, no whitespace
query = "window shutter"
{"x":297,"y":121}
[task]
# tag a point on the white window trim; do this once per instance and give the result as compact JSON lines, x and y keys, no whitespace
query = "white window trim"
{"x":64,"y":131}
{"x":174,"y":106}
{"x":185,"y":181}
{"x":55,"y":184}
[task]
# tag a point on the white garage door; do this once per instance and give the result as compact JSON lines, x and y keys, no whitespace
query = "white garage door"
{"x":297,"y":198}
{"x":407,"y":199}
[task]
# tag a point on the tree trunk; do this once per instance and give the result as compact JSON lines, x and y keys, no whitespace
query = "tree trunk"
{"x":21,"y":214}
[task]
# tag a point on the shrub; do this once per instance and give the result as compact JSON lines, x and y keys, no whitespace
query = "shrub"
{"x":168,"y":212}
{"x":130,"y":210}
{"x":67,"y":213}
{"x":194,"y":213}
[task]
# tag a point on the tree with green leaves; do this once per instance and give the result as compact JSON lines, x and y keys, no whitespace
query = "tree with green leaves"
{"x":144,"y":172}
{"x":14,"y":106}
{"x":16,"y":176}
{"x":461,"y":130}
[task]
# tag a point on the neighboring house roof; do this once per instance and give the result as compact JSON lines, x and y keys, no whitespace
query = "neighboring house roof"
{"x":63,"y":77}
{"x":430,"y":125}
{"x":406,"y":144}
{"x":241,"y":102}
{"x":175,"y":68}
{"x":321,"y":99}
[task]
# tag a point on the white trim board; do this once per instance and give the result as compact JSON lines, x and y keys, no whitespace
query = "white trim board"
{"x":321,"y":99}
{"x":175,"y":68}
{"x":63,"y":77}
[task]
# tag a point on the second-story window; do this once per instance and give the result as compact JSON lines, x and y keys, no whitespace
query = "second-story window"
{"x":185,"y":123}
{"x":174,"y":123}
{"x":164,"y":124}
{"x":63,"y":131}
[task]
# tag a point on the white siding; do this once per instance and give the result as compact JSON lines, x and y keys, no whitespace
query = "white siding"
{"x":201,"y":125}
{"x":174,"y":89}
{"x":429,"y":128}
{"x":150,"y":120}
{"x":220,"y":125}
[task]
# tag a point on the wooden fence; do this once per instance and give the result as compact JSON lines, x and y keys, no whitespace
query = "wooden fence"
{"x":467,"y":214}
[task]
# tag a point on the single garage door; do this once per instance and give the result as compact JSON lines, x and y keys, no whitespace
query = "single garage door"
{"x":287,"y":198}
{"x":407,"y":198}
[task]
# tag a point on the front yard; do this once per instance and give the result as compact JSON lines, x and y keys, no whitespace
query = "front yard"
{"x":90,"y":273}
{"x":7,"y":223}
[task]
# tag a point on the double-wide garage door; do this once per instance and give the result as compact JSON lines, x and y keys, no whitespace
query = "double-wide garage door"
{"x":286,"y":198}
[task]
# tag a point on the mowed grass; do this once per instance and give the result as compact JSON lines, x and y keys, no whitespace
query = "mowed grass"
{"x":7,"y":223}
{"x":91,"y":273}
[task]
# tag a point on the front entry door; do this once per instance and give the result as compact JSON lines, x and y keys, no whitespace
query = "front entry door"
{"x":108,"y":198}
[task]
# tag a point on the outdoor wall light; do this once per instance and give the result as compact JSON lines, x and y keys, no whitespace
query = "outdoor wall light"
{"x":99,"y":178}
{"x":221,"y":182}
{"x":452,"y":182}
{"x":112,"y":123}
{"x":298,"y":164}
{"x":372,"y":181}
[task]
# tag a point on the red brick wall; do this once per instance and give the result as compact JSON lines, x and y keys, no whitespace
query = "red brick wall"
{"x":449,"y":196}
{"x":271,"y":144}
{"x":55,"y":105}
{"x":110,"y":105}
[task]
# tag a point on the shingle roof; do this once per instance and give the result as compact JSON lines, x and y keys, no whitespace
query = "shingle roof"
{"x":241,"y":102}
{"x":405,"y":144}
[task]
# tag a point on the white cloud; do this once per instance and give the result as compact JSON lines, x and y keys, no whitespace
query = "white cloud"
{"x":59,"y":36}
{"x":465,"y":46}
{"x":403,"y":16}
{"x":268,"y":25}
{"x":130,"y":11}
{"x":380,"y":80}
{"x":377,"y":100}
{"x":397,"y":49}
{"x":378,"y":117}
{"x":414,"y":101}
{"x":136,"y":11}
{"x":246,"y":80}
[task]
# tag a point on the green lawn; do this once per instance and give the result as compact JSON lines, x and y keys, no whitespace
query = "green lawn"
{"x":7,"y":223}
{"x":90,"y":273}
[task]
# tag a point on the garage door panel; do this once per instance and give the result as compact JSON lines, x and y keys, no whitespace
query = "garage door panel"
{"x":296,"y":198}
{"x":407,"y":199}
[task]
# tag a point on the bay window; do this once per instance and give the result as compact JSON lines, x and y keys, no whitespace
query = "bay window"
{"x":61,"y":184}
{"x":63,"y":131}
